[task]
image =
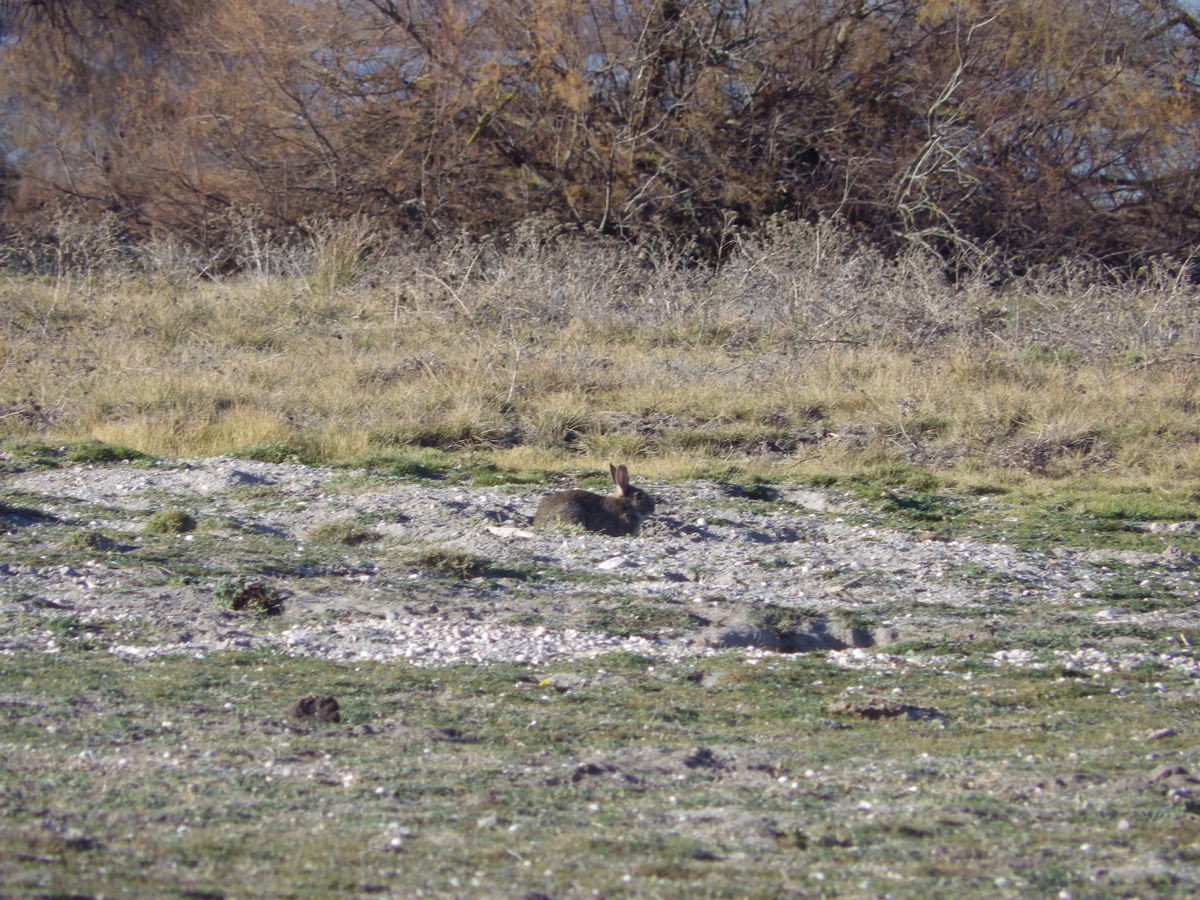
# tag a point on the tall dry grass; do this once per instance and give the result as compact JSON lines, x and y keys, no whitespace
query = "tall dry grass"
{"x":805,"y":353}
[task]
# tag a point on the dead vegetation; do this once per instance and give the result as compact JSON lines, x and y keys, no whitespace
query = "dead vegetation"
{"x":1038,"y":130}
{"x":805,"y":353}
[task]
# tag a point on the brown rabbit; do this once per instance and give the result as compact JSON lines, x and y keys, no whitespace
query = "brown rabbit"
{"x":617,"y":515}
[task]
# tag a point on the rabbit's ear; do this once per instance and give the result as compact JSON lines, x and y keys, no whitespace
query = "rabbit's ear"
{"x":620,"y":475}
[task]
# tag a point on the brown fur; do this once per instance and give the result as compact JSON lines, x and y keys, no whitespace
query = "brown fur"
{"x":617,"y":515}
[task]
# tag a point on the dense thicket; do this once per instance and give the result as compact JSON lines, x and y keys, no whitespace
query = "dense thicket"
{"x":1030,"y":129}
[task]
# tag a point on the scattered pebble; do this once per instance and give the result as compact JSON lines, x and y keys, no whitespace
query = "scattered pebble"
{"x":721,"y":558}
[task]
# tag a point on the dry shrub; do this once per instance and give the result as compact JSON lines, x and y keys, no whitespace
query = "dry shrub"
{"x":1041,"y":130}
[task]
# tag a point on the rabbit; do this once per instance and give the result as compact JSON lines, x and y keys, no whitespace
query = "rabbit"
{"x":616,"y":515}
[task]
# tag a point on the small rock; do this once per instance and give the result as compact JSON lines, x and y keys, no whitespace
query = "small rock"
{"x":615,"y":562}
{"x":510,"y":531}
{"x":676,"y":577}
{"x":813,"y":500}
{"x":725,"y":579}
{"x":1159,"y":734}
{"x":565,"y":681}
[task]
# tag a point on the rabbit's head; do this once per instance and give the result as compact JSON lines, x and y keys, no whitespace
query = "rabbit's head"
{"x":632,"y":498}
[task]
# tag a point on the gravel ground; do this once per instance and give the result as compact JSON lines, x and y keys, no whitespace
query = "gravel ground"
{"x":713,"y":571}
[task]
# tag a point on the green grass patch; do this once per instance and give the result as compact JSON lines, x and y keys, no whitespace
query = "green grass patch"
{"x":301,"y":453}
{"x":449,"y":563}
{"x":171,"y":521}
{"x":238,"y":594}
{"x":19,"y":454}
{"x":637,"y":779}
{"x":99,"y":452}
{"x":346,"y":532}
{"x":91,"y":541}
{"x":1092,"y":512}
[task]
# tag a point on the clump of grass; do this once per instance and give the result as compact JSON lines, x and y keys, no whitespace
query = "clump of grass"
{"x":239,"y":594}
{"x":784,"y":621}
{"x":77,"y":634}
{"x":171,"y":521}
{"x":338,"y":251}
{"x":451,"y":563}
{"x":98,"y":452}
{"x":89,"y":539}
{"x":344,"y":531}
